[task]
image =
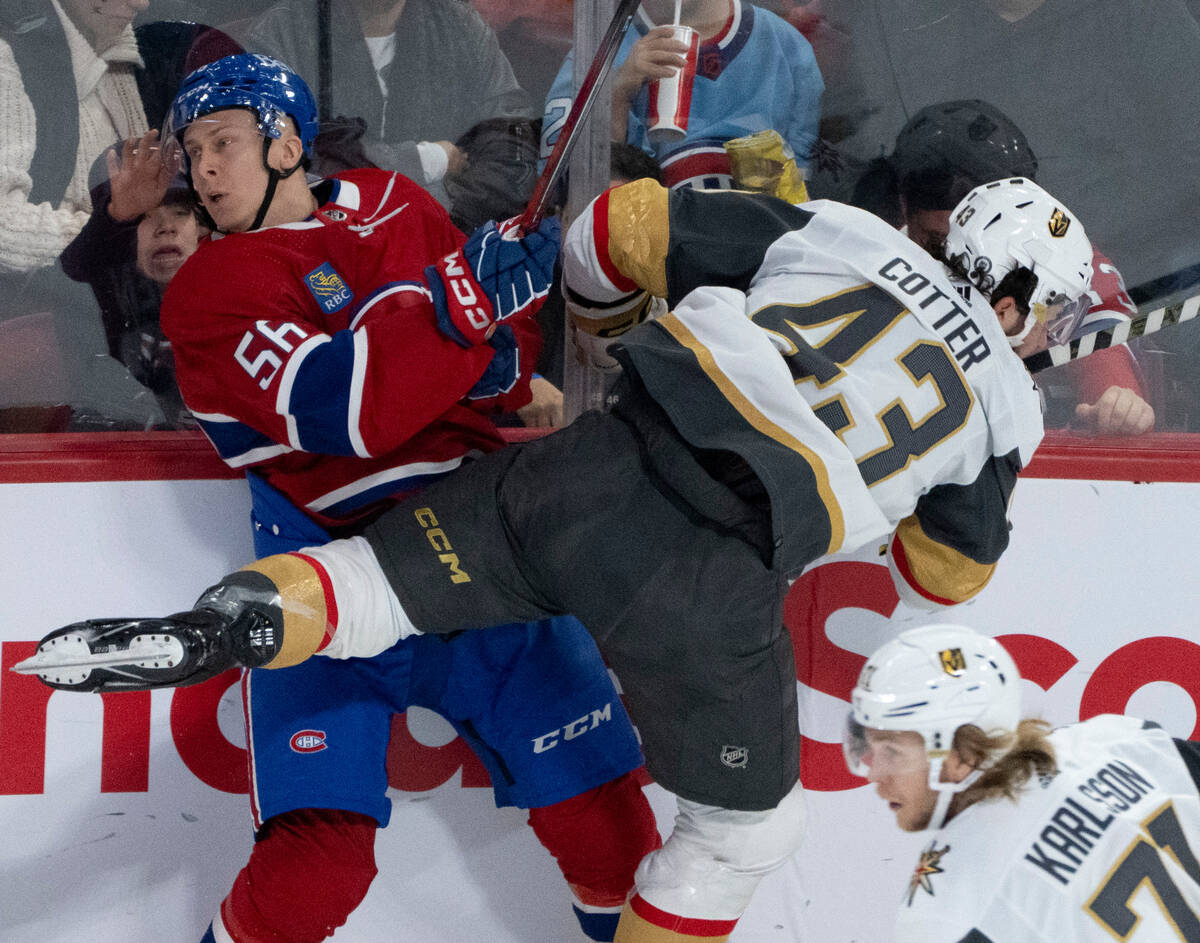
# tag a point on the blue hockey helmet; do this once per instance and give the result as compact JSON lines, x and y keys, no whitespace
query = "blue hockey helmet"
{"x":260,"y":84}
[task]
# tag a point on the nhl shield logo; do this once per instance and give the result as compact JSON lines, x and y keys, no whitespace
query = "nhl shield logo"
{"x":953,"y":662}
{"x":1059,"y":223}
{"x":735,"y":757}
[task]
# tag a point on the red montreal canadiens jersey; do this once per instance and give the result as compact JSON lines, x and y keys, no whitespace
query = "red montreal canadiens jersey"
{"x":310,"y":351}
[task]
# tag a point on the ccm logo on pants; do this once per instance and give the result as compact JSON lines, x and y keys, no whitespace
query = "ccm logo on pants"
{"x":441,"y":543}
{"x":576,"y":728}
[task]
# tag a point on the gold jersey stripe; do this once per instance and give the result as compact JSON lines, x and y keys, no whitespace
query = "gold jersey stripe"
{"x":303,"y":601}
{"x":762,"y":424}
{"x":639,"y":233}
{"x":940,"y":570}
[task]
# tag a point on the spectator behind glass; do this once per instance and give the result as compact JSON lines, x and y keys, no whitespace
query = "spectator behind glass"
{"x":940,"y":155}
{"x":1100,"y":87}
{"x":755,"y":72}
{"x":535,"y":34}
{"x":74,"y":78}
{"x":87,"y":51}
{"x":141,"y":232}
{"x":417,"y":74}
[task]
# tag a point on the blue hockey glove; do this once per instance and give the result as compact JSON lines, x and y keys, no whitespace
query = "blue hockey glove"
{"x":505,"y":368}
{"x":496,"y":275}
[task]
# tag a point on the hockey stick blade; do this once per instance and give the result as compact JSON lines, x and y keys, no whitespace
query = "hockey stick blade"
{"x":1129,"y":330}
{"x":589,"y":88}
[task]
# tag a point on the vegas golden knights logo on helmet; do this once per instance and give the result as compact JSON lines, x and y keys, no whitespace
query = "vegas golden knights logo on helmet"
{"x":953,"y":662}
{"x":1059,"y":223}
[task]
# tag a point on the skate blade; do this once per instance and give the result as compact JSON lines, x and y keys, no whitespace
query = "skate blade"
{"x":69,"y":660}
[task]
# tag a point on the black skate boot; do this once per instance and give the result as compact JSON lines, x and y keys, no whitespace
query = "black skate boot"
{"x":237,"y":622}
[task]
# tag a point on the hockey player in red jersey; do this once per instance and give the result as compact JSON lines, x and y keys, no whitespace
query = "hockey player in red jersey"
{"x":819,"y":384}
{"x":1085,"y":834}
{"x":343,"y":344}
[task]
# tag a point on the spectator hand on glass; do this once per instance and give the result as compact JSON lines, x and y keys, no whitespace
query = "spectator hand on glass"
{"x":138,"y":177}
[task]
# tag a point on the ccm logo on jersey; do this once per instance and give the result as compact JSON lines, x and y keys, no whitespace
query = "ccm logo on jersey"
{"x":440,"y":542}
{"x":463,"y":288}
{"x":307,"y":741}
{"x":576,"y":728}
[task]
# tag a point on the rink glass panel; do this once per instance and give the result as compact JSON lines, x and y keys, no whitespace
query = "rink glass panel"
{"x":1084,"y":79}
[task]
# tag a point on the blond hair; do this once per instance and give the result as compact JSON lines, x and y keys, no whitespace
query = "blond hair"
{"x":1019,"y":755}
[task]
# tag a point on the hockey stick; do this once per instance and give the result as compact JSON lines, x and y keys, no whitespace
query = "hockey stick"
{"x":324,"y":63}
{"x":1132,"y":329}
{"x":556,"y":163}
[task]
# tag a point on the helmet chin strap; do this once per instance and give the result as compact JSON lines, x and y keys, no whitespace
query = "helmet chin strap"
{"x":1016,"y":340}
{"x":273,"y":178}
{"x":945,"y":795}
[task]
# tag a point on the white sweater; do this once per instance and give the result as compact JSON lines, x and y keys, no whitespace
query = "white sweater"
{"x":33,"y":235}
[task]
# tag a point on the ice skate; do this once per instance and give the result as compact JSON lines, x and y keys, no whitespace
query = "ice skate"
{"x":234,"y":623}
{"x":134,"y":654}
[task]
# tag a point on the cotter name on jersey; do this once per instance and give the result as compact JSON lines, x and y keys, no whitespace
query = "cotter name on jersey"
{"x":1074,"y":827}
{"x":958,"y":329}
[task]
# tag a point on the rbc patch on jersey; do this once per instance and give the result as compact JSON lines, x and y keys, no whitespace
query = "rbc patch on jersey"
{"x":328,"y":287}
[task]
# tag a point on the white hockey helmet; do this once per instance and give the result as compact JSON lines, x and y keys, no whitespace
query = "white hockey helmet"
{"x":933,"y":680}
{"x":1011,"y":223}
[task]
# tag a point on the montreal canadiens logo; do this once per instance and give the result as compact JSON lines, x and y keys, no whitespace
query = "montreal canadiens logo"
{"x":308,"y":741}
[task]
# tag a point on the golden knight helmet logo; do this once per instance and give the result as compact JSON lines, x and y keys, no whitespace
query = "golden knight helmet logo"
{"x":953,"y":662}
{"x":1059,"y":223}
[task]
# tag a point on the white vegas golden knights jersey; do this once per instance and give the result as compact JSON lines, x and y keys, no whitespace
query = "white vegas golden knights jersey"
{"x":836,"y":357}
{"x":1106,"y":850}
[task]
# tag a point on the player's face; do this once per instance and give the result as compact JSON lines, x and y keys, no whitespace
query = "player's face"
{"x":928,"y":228}
{"x":1013,"y":322}
{"x":166,"y":236}
{"x":899,"y":767}
{"x":225,"y":152}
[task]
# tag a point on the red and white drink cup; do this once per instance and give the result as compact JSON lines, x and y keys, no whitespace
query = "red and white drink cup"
{"x":671,"y":99}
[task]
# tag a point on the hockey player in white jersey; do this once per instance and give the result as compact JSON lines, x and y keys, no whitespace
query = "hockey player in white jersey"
{"x":1084,"y":834}
{"x":819,"y":383}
